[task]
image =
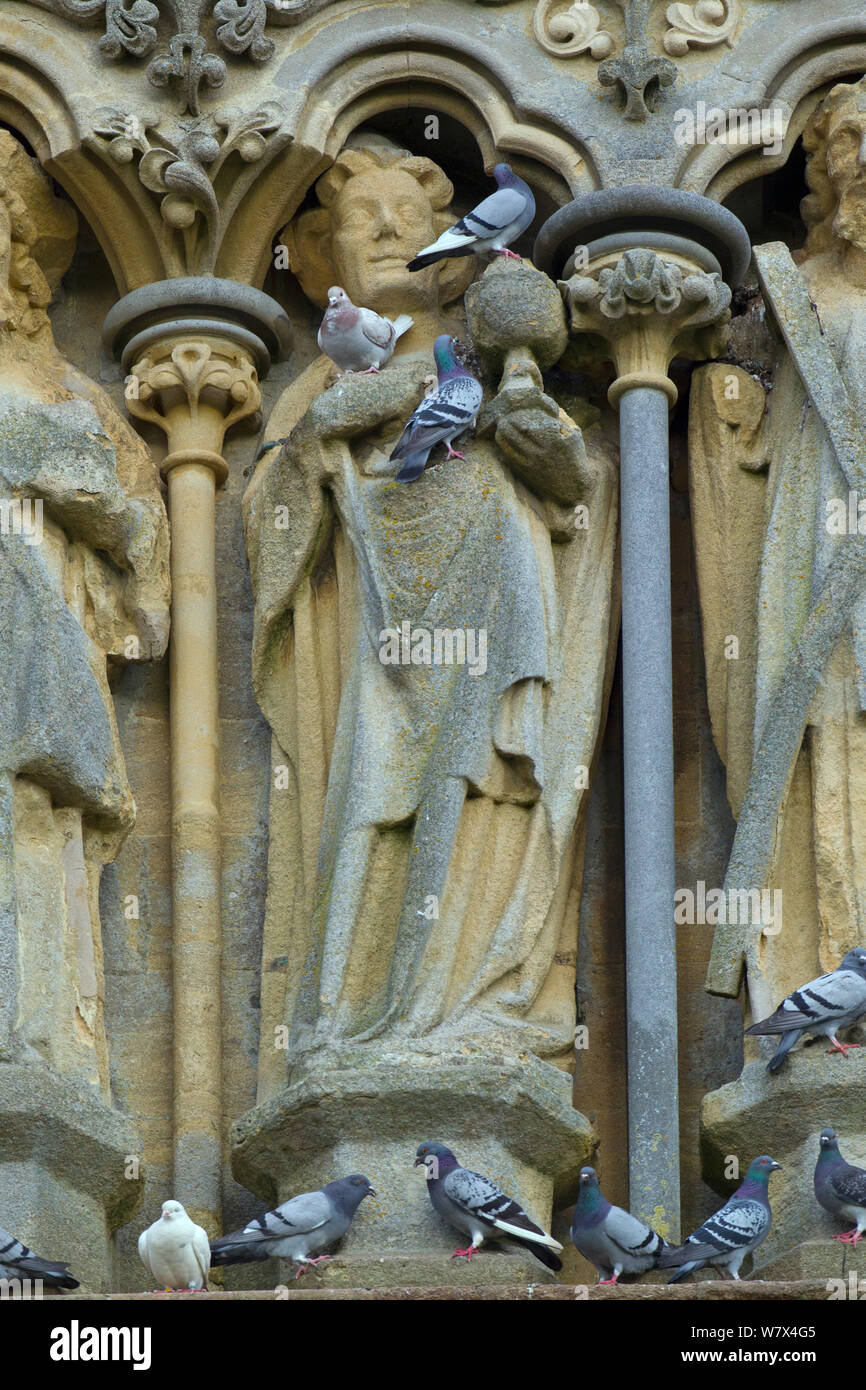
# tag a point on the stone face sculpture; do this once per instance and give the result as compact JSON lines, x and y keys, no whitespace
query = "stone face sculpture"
{"x":768,"y":492}
{"x":430,"y":855}
{"x":84,"y":588}
{"x":434,"y":660}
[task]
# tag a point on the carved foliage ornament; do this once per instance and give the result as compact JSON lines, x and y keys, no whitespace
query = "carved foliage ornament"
{"x":182,"y":167}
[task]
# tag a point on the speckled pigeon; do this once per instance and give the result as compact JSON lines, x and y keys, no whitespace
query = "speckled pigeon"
{"x":355,"y":339}
{"x":821,"y":1007}
{"x":298,"y":1229}
{"x":840,"y":1187}
{"x":734,"y":1232}
{"x":491,"y":226}
{"x":174,"y":1250}
{"x":477,"y":1206}
{"x":441,"y":416}
{"x":17,"y":1262}
{"x":609,"y":1237}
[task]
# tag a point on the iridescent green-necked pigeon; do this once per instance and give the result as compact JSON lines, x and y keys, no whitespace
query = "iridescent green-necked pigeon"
{"x":611,"y":1238}
{"x":734,"y":1232}
{"x":441,"y":416}
{"x":840,"y":1187}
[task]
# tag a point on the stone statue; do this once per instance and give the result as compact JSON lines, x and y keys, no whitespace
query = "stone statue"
{"x":433,"y":658}
{"x":771,"y":507}
{"x":84,"y":589}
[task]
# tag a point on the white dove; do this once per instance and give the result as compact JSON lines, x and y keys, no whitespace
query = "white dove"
{"x":174,"y":1250}
{"x":358,"y":340}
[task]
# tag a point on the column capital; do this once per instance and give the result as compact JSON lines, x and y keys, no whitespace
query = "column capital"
{"x":647,"y":309}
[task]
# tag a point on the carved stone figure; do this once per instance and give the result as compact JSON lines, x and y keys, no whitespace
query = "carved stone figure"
{"x":84,"y":589}
{"x":430,"y":841}
{"x":770,"y":494}
{"x":434,"y":660}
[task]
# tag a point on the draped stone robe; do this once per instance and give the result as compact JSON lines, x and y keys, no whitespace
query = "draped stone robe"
{"x":423,"y":879}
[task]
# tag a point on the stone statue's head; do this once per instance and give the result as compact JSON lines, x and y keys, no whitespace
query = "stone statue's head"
{"x":37,"y":240}
{"x":835,"y":141}
{"x":379,"y":205}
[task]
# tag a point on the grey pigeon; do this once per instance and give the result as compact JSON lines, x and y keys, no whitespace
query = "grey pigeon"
{"x":441,"y":416}
{"x":477,"y":1206}
{"x":609,"y":1237}
{"x":299,"y":1229}
{"x":17,"y":1262}
{"x":734,"y":1232}
{"x":491,"y":226}
{"x":358,"y":340}
{"x":840,"y":1187}
{"x":174,"y":1250}
{"x":821,"y":1007}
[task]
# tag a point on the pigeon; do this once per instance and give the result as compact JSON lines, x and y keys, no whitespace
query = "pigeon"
{"x":609,"y":1237}
{"x":734,"y":1232}
{"x":358,"y":340}
{"x":17,"y":1262}
{"x":299,"y":1228}
{"x":476,"y":1205}
{"x":821,"y":1007}
{"x":840,"y":1187}
{"x":174,"y":1250}
{"x":491,"y":226}
{"x":441,"y":416}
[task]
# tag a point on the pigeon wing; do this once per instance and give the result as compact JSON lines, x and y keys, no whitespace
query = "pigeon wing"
{"x":296,"y":1217}
{"x":375,"y":329}
{"x":440,"y":416}
{"x":849,"y":1185}
{"x":144,"y":1252}
{"x":629,"y":1235}
{"x":480,"y":1197}
{"x":820,"y":1001}
{"x":736,"y":1224}
{"x":201,"y":1251}
{"x":491,"y":216}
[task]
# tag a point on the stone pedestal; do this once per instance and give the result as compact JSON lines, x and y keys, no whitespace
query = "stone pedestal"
{"x":783,"y":1115}
{"x":64,"y":1155}
{"x":508,"y":1117}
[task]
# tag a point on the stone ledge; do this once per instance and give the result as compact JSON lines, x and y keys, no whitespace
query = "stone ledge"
{"x":724,"y":1291}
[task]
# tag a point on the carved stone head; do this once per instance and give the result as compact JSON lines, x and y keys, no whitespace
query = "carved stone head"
{"x":37,"y":240}
{"x":379,"y":207}
{"x":835,"y":140}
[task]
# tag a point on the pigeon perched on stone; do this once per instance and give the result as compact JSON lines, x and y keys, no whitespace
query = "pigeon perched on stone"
{"x":477,"y":1206}
{"x":821,"y":1007}
{"x":840,"y":1187}
{"x":299,"y":1229}
{"x":491,"y":226}
{"x":441,"y":416}
{"x":358,"y":340}
{"x":609,"y":1237}
{"x":17,"y":1262}
{"x":734,"y":1232}
{"x":174,"y":1250}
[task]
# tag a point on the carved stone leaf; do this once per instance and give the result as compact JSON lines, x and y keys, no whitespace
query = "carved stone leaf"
{"x":567,"y":33}
{"x":703,"y":24}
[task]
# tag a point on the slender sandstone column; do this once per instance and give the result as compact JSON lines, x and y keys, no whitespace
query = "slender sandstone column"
{"x":195,"y":389}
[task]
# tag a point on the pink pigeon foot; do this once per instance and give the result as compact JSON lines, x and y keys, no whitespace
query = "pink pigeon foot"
{"x":468,"y":1252}
{"x":368,"y":370}
{"x":844,"y":1048}
{"x":311,"y":1264}
{"x":453,"y":453}
{"x":509,"y":255}
{"x":849,"y":1237}
{"x":608,"y":1281}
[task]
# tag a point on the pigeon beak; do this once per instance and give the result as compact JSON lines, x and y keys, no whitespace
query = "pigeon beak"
{"x":775,"y":1166}
{"x":417,"y":1163}
{"x":371,"y":1192}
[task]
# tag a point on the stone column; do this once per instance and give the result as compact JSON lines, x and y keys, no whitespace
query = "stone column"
{"x":195,"y":376}
{"x":642,"y":289}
